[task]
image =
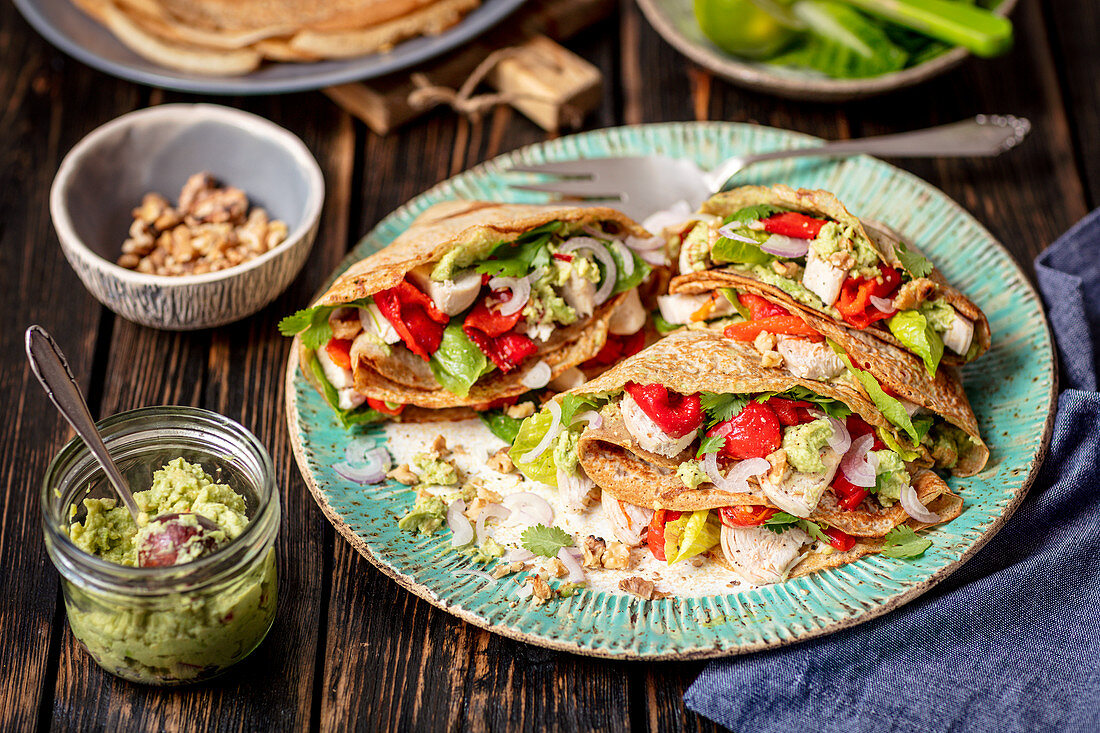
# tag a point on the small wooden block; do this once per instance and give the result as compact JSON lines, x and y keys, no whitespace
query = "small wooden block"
{"x":553,"y":86}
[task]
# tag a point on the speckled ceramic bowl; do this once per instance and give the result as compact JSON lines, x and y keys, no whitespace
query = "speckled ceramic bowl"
{"x":155,"y":150}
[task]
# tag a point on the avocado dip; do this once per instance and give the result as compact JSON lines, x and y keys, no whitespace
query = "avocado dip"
{"x":195,"y":629}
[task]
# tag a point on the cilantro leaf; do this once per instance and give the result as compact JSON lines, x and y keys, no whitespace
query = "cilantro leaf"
{"x":504,"y":427}
{"x":295,"y":324}
{"x":780,"y":522}
{"x":750,"y":214}
{"x":545,"y":541}
{"x":311,"y":323}
{"x":814,"y":530}
{"x":518,"y":258}
{"x":914,"y":263}
{"x":710,"y":444}
{"x":903,"y":542}
{"x":722,"y":407}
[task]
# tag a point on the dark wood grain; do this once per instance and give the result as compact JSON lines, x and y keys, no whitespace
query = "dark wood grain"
{"x":351,"y":649}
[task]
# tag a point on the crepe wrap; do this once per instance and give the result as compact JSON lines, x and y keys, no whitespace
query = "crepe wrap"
{"x":404,"y":378}
{"x":824,"y":204}
{"x":898,"y":370}
{"x":694,"y":361}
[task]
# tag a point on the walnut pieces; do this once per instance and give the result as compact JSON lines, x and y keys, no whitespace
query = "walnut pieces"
{"x":211,"y":229}
{"x":645,"y":589}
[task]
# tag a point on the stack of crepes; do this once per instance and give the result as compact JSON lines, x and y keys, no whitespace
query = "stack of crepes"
{"x":475,"y":305}
{"x":229,"y":37}
{"x":792,"y":422}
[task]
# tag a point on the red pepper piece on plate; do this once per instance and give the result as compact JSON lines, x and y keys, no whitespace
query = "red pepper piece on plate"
{"x":339,"y":350}
{"x":839,"y":540}
{"x":655,"y":533}
{"x":674,"y":413}
{"x":854,"y":301}
{"x":745,"y":515}
{"x":414,"y":316}
{"x":755,"y":432}
{"x":793,"y":224}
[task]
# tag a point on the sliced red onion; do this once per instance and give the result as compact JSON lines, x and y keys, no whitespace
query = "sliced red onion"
{"x":644,"y":244}
{"x":525,"y":591}
{"x":530,"y":507}
{"x":593,"y":418}
{"x":855,"y":466}
{"x":537,"y":376}
{"x":626,"y":256}
{"x":841,"y":439}
{"x":520,"y":289}
{"x":655,"y":257}
{"x":816,"y":412}
{"x":470,"y":571}
{"x":535,"y":275}
{"x":728,"y":232}
{"x":459,"y":524}
{"x":517,"y":554}
{"x":551,"y":433}
{"x":600,"y":252}
{"x":363,"y":474}
{"x":886,"y":305}
{"x":363,"y":450}
{"x":737,"y":478}
{"x":913,"y":507}
{"x":576,"y":572}
{"x":489,"y":511}
{"x":777,"y":244}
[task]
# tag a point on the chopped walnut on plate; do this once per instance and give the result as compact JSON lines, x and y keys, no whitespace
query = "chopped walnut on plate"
{"x":211,"y":229}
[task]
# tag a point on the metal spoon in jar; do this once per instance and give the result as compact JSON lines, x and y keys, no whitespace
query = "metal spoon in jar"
{"x":158,"y":545}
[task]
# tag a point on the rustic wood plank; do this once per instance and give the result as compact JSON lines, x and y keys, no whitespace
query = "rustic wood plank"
{"x":1026,"y":197}
{"x":1073,"y":27}
{"x":238,"y":371}
{"x":38,"y":287}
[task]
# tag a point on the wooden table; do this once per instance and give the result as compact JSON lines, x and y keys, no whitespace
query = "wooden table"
{"x":349,"y":647}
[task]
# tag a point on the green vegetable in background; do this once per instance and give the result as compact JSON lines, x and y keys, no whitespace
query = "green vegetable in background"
{"x":843,"y":43}
{"x":755,"y":29}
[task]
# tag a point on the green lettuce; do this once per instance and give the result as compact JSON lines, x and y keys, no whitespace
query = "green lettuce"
{"x":458,"y":362}
{"x":914,"y":331}
{"x":627,"y":282}
{"x":361,"y":415}
{"x":843,"y":44}
{"x":891,"y":408}
{"x":501,"y":425}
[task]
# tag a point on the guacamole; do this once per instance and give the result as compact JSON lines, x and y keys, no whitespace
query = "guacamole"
{"x":192,"y":630}
{"x":803,"y":444}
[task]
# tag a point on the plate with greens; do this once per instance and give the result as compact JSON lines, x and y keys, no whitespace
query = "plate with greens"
{"x":402,"y":529}
{"x":830,"y":50}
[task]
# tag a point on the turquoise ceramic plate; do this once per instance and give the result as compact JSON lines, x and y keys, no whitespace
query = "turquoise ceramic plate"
{"x":1012,"y":389}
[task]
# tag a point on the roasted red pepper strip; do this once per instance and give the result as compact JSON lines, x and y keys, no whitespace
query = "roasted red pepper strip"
{"x":755,"y":432}
{"x":745,"y":515}
{"x":381,"y":406}
{"x":785,"y":325}
{"x":617,"y":348}
{"x":839,"y":540}
{"x":674,"y":413}
{"x":655,"y":534}
{"x":793,"y":224}
{"x":339,"y":350}
{"x":858,"y":427}
{"x":854,"y":301}
{"x":414,"y":316}
{"x":507,"y":351}
{"x":849,"y":494}
{"x":759,"y":307}
{"x":486,"y":316}
{"x":790,"y":412}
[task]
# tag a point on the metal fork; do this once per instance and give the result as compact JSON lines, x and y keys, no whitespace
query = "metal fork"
{"x":644,"y":185}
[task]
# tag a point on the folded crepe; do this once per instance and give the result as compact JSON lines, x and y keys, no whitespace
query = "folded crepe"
{"x":805,"y":252}
{"x":769,"y":472}
{"x":472,"y":306}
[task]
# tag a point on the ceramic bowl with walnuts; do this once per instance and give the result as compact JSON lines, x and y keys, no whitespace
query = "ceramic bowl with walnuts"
{"x":187,"y":216}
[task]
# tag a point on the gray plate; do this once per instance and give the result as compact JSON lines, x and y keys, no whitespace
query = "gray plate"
{"x":65,"y":26}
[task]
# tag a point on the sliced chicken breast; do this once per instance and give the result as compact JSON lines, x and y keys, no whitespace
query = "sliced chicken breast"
{"x":761,"y":556}
{"x":809,"y":360}
{"x":648,"y":434}
{"x":800,"y":492}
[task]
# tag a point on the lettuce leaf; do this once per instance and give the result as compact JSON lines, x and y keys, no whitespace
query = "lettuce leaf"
{"x":361,"y":415}
{"x":844,"y":44}
{"x":913,"y":330}
{"x":890,"y":408}
{"x":691,"y":535}
{"x":727,"y":250}
{"x":499,"y":424}
{"x":624,"y":283}
{"x":531,"y":432}
{"x":458,"y":362}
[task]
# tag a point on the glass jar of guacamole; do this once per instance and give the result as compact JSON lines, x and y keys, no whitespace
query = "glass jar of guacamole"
{"x":180,"y":623}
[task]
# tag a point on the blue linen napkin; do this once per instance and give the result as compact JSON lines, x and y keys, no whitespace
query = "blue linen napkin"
{"x":1011,"y":641}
